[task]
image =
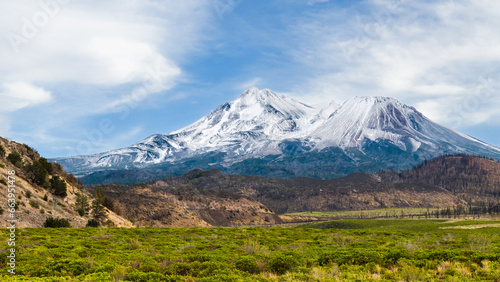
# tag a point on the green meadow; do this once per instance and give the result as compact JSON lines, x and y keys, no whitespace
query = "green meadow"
{"x":346,"y":250}
{"x":373,"y":213}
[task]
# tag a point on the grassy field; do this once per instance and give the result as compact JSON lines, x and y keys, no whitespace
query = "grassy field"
{"x":347,"y":250}
{"x":368,"y":214}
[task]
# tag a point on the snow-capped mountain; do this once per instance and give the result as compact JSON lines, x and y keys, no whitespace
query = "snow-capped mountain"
{"x":277,"y":133}
{"x":380,"y":118}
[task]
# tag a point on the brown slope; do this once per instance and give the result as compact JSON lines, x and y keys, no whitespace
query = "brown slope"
{"x":204,"y":198}
{"x":33,"y":210}
{"x":160,"y":204}
{"x":473,"y":178}
{"x":305,"y":194}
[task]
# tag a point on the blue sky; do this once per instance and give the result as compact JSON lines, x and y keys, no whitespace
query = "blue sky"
{"x":81,"y":77}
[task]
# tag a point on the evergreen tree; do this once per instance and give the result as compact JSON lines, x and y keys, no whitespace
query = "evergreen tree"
{"x":39,"y":173}
{"x":46,"y":165}
{"x":58,"y":186}
{"x":98,"y":210}
{"x":82,"y":204}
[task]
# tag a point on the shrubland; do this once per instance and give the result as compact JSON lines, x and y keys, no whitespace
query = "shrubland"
{"x":347,"y":250}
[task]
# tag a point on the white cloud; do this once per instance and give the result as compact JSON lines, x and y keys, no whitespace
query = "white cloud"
{"x":90,"y":56}
{"x":18,"y":95}
{"x":99,"y":43}
{"x":429,"y":54}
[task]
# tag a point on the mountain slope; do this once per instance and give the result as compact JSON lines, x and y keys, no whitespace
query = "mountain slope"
{"x":472,"y":178}
{"x":379,"y":118}
{"x":35,"y":198}
{"x":203,"y":198}
{"x":261,"y":133}
{"x":252,"y":199}
{"x":252,"y":125}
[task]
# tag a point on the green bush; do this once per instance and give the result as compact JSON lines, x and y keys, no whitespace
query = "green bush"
{"x":392,"y":256}
{"x":181,"y":268}
{"x":150,"y":277}
{"x":58,"y":186}
{"x":2,"y":151}
{"x":15,"y":158}
{"x":34,"y":204}
{"x":46,"y":165}
{"x":56,"y":223}
{"x":37,"y":173}
{"x":247,"y":264}
{"x":30,"y":149}
{"x":93,"y":223}
{"x":3,"y":182}
{"x":353,"y":256}
{"x":72,"y":267}
{"x":283,"y":262}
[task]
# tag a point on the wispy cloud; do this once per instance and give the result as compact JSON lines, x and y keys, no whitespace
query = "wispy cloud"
{"x":87,"y":57}
{"x":18,"y":95}
{"x":428,"y":53}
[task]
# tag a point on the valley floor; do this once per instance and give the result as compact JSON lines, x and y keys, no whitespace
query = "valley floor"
{"x":346,"y":250}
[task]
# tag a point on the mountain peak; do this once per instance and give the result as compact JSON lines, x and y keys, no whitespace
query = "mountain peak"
{"x":366,"y":105}
{"x":254,"y":95}
{"x":374,"y":100}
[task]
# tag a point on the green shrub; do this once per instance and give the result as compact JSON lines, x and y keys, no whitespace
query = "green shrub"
{"x":247,"y":264}
{"x":353,"y":256}
{"x":149,"y":277}
{"x":30,"y":149}
{"x":3,"y":182}
{"x":392,"y":256}
{"x":28,"y":194}
{"x":283,"y":262}
{"x":181,"y":268}
{"x":118,"y":274}
{"x":93,"y":223}
{"x":16,"y":159}
{"x":2,"y":151}
{"x":45,"y":198}
{"x":46,"y":165}
{"x":34,"y":204}
{"x":56,"y":223}
{"x":68,"y":266}
{"x":58,"y":186}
